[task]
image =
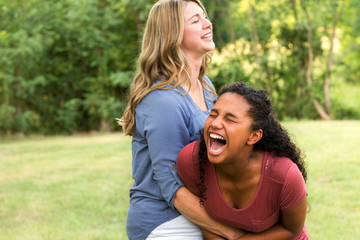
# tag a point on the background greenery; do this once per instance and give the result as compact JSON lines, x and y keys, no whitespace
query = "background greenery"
{"x":57,"y":188}
{"x":65,"y":66}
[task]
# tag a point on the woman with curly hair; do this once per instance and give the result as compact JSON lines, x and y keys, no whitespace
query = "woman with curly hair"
{"x":246,"y":170}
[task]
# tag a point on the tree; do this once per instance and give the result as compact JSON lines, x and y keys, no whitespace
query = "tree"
{"x":337,"y":13}
{"x":66,"y":66}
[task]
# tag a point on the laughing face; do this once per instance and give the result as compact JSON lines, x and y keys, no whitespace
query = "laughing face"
{"x":227,"y":130}
{"x":197,"y":39}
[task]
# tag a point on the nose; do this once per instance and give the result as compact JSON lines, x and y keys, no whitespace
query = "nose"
{"x":216,"y":123}
{"x":207,"y":24}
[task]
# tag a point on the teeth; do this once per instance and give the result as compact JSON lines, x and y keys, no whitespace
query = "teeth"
{"x":207,"y":35}
{"x":212,"y":135}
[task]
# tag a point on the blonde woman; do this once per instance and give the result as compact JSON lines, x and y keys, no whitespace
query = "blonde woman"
{"x":170,"y":98}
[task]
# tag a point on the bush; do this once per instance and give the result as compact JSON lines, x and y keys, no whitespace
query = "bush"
{"x":7,"y":114}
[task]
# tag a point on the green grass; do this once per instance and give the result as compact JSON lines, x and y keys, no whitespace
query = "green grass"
{"x":77,"y":187}
{"x":64,"y":187}
{"x":333,"y":153}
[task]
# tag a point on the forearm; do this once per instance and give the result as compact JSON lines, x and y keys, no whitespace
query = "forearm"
{"x":292,"y":224}
{"x":276,"y":232}
{"x":188,"y":205}
{"x":210,"y":236}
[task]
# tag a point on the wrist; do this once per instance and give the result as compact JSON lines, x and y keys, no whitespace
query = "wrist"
{"x":234,"y":233}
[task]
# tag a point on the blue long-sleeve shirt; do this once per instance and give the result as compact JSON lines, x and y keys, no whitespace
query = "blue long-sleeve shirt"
{"x":165,"y":121}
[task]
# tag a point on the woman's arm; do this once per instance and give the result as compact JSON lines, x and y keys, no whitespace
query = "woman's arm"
{"x":188,"y":204}
{"x":292,"y":223}
{"x":210,"y":236}
{"x":187,"y":200}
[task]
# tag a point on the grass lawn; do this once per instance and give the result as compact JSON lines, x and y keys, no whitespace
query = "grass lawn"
{"x":77,"y":187}
{"x":64,"y":187}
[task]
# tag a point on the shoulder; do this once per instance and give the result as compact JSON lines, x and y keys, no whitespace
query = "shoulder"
{"x":189,"y":152}
{"x":165,"y":97}
{"x":187,"y":159}
{"x":277,"y":168}
{"x":207,"y":79}
{"x":209,"y":86}
{"x":168,"y":101}
{"x":188,"y":165}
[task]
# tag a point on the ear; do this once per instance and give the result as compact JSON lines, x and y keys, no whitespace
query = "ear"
{"x":255,"y":136}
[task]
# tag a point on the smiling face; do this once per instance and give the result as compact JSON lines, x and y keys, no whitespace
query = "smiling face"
{"x":228,"y":129}
{"x":198,"y":35}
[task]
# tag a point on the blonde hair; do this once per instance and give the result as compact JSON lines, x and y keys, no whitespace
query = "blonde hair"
{"x":161,"y":57}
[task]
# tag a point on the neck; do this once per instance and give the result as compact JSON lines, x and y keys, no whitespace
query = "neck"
{"x":243,"y":167}
{"x":194,"y":67}
{"x":193,"y":74}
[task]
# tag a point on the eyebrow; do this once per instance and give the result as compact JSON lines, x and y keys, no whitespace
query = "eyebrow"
{"x":231,"y":115}
{"x":196,"y":15}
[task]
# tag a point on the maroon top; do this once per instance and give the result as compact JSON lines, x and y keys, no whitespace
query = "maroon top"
{"x":281,"y":187}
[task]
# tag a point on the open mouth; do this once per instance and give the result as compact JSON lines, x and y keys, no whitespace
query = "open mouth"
{"x":217,"y":144}
{"x":207,"y":36}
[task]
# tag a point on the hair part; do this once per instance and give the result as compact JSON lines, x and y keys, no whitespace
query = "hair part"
{"x":161,"y":57}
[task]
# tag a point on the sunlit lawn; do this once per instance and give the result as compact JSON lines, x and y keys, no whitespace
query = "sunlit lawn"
{"x":333,"y":154}
{"x":64,"y":187}
{"x":77,"y":187}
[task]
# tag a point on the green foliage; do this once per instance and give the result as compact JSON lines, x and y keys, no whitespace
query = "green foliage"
{"x":273,"y":54}
{"x":7,"y":112}
{"x":10,"y":121}
{"x":346,"y":101}
{"x":67,"y":62}
{"x":66,"y":66}
{"x":27,"y":122}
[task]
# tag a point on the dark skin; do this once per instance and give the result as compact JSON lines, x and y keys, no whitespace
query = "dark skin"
{"x":238,"y":167}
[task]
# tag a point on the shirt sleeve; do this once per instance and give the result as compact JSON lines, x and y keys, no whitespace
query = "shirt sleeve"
{"x":294,"y":189}
{"x":188,"y":166}
{"x":164,"y":122}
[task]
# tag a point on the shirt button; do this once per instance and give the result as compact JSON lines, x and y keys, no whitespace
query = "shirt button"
{"x":173,"y":167}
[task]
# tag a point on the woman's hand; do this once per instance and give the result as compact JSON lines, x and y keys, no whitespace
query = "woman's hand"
{"x":292,"y":223}
{"x":211,"y":236}
{"x":188,"y":204}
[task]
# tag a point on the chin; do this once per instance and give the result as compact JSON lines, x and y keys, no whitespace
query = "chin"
{"x":215,"y":159}
{"x":211,"y":48}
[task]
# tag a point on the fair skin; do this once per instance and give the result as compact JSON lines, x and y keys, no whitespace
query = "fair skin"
{"x":197,"y":41}
{"x":238,"y":165}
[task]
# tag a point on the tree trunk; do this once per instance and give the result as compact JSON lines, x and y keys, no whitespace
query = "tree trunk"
{"x":330,"y":64}
{"x":105,"y":126}
{"x":229,"y":20}
{"x":100,"y":66}
{"x":255,"y":39}
{"x":320,"y":110}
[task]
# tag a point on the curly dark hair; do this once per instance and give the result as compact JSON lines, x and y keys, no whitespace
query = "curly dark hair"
{"x":275,"y":138}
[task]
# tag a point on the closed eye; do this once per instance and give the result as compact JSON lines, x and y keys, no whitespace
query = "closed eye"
{"x":231,"y":120}
{"x":195,"y":19}
{"x":213,"y":113}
